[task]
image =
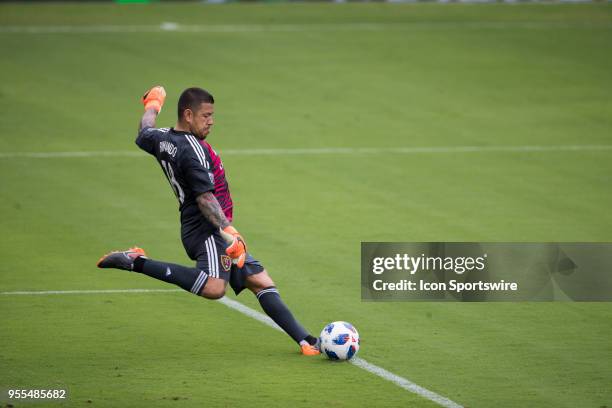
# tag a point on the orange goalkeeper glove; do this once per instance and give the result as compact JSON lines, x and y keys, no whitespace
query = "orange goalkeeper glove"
{"x":154,"y":98}
{"x":237,"y":248}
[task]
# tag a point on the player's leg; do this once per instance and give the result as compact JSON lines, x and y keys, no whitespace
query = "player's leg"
{"x":214,"y":289}
{"x":195,"y":280}
{"x":134,"y":259}
{"x":265,"y":290}
{"x":202,"y":246}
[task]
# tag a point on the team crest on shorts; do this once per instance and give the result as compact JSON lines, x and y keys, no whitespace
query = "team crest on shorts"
{"x":226,"y":262}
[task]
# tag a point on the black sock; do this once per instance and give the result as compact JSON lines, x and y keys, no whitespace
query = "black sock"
{"x":190,"y":279}
{"x":273,"y":305}
{"x":311,"y":340}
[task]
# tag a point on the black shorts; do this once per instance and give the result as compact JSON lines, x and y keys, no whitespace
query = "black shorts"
{"x":209,"y":253}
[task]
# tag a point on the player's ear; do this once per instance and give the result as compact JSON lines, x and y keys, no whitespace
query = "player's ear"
{"x":188,"y":115}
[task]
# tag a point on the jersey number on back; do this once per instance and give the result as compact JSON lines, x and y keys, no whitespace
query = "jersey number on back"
{"x":178,"y":191}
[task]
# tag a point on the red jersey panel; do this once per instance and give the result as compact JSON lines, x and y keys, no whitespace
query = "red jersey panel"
{"x":222,"y":192}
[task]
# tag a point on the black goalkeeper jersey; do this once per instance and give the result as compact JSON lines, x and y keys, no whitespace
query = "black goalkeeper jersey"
{"x":187,"y":166}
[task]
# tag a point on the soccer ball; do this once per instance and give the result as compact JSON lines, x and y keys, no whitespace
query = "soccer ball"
{"x":339,"y":341}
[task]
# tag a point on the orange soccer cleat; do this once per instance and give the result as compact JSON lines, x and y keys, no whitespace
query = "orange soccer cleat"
{"x":309,"y":350}
{"x":121,"y":259}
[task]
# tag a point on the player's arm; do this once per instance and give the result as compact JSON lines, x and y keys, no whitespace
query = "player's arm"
{"x":148,"y":119}
{"x":212,"y":211}
{"x":153,"y":100}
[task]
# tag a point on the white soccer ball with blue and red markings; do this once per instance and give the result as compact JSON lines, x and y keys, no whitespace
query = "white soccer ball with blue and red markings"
{"x":339,"y":341}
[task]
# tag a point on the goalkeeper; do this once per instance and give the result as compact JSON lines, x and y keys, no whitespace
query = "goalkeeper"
{"x":196,"y":174}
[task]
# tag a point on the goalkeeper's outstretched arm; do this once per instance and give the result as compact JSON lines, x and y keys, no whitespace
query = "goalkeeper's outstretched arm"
{"x":148,"y":119}
{"x":153,"y":100}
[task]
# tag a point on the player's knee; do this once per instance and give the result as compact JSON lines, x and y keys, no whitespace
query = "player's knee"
{"x":214,"y":294}
{"x":214,"y":289}
{"x":259,"y":281}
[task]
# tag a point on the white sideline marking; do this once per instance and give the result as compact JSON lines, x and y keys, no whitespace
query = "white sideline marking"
{"x":314,"y":27}
{"x":60,"y":155}
{"x":358,"y":362}
{"x":232,"y":304}
{"x":322,"y":151}
{"x":88,"y":292}
{"x":405,"y":384}
{"x":249,"y":312}
{"x":413,"y":150}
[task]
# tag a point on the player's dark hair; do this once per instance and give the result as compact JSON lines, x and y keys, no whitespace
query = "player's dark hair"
{"x":191,"y":98}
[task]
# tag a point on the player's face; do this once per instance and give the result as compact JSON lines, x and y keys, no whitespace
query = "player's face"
{"x":202,"y":120}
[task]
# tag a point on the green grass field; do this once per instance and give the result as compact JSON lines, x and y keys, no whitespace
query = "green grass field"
{"x":293,"y":76}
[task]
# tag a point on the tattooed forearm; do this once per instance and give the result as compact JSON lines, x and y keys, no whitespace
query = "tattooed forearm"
{"x":148,"y":119}
{"x":212,"y":210}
